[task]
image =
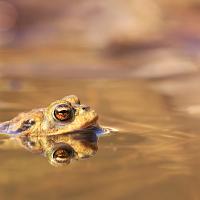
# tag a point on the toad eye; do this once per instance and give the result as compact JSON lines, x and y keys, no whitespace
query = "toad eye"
{"x":63,"y":155}
{"x":60,"y":154}
{"x":64,"y":112}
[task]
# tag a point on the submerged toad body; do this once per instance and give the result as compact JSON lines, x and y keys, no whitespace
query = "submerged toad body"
{"x":63,"y":131}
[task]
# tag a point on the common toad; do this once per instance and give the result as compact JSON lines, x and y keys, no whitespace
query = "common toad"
{"x":62,"y":116}
{"x":63,"y":131}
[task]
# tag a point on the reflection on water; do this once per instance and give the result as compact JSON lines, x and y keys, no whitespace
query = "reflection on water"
{"x":61,"y":149}
{"x":155,"y":154}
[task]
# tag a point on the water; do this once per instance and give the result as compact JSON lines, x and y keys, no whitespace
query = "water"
{"x":153,"y":155}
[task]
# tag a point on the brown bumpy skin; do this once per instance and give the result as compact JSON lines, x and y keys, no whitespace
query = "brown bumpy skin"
{"x":42,"y":121}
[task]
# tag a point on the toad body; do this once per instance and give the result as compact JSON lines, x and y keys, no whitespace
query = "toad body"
{"x":62,"y":116}
{"x":63,"y":131}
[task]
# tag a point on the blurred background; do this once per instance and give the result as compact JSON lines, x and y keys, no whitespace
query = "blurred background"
{"x":145,"y":39}
{"x":137,"y":62}
{"x":108,"y":38}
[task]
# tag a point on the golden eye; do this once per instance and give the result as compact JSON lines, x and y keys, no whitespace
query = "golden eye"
{"x":64,"y":112}
{"x":60,"y":154}
{"x":63,"y":155}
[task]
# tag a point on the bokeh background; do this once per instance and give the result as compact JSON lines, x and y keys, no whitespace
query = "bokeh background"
{"x":137,"y":62}
{"x":155,"y":40}
{"x":108,"y":38}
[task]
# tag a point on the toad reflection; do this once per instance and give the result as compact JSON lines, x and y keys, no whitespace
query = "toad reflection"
{"x":63,"y":131}
{"x":61,"y":149}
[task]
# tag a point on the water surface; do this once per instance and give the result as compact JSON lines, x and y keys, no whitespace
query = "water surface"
{"x":154,"y":155}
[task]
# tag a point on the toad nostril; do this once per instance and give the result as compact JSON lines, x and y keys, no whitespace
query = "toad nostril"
{"x":86,"y":108}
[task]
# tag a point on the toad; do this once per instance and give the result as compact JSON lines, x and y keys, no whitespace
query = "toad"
{"x":63,"y":131}
{"x":62,"y":116}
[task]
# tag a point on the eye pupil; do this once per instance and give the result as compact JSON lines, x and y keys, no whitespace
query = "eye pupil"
{"x":64,"y":112}
{"x":62,"y":115}
{"x":62,"y":155}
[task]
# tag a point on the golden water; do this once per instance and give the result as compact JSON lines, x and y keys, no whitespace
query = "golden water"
{"x":154,"y":155}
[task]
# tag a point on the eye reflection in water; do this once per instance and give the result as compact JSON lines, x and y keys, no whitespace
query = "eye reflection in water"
{"x":61,"y":149}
